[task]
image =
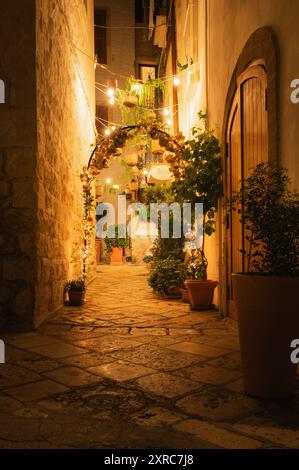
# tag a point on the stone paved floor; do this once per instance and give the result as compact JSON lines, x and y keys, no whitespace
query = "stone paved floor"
{"x":128,"y":370}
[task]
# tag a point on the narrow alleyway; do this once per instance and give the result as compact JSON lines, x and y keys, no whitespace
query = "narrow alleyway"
{"x":130,"y":370}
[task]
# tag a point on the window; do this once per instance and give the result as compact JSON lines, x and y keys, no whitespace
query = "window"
{"x":101,"y":118}
{"x":2,"y":92}
{"x":100,"y":35}
{"x":146,"y":72}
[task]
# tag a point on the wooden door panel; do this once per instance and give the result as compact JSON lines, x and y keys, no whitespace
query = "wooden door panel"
{"x":247,"y":143}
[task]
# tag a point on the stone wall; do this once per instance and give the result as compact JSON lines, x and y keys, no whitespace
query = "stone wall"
{"x":65,"y":133}
{"x":18,"y":188}
{"x":46,"y":132}
{"x":231,"y":23}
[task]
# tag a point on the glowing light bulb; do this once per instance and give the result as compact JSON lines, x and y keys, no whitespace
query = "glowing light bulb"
{"x":113,"y":128}
{"x":176,"y":81}
{"x":136,"y":87}
{"x":108,"y":180}
{"x":145,"y":172}
{"x":110,"y":92}
{"x":169,"y":122}
{"x":107,"y":132}
{"x":166,"y":112}
{"x":111,"y":100}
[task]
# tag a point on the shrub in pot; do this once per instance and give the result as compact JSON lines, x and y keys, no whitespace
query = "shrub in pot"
{"x":198,"y":180}
{"x":266,"y":295}
{"x":167,"y":276}
{"x":76,"y":292}
{"x":116,"y":240}
{"x":200,"y":289}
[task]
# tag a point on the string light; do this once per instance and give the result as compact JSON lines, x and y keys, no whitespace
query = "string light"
{"x":176,"y":81}
{"x":107,"y":132}
{"x":108,"y":180}
{"x":111,"y":100}
{"x":169,"y":122}
{"x":166,"y":112}
{"x":136,"y":87}
{"x":111,"y":92}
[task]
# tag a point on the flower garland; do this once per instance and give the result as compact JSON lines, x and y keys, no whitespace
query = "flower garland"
{"x":107,"y":147}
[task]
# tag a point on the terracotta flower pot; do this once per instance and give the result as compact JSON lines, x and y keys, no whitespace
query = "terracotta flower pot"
{"x":201,"y":293}
{"x":76,"y":298}
{"x":116,"y":255}
{"x":267,"y":309}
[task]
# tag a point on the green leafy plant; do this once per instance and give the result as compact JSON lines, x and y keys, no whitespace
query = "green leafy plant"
{"x":76,"y":285}
{"x":164,"y":248}
{"x":158,"y":193}
{"x":199,"y":179}
{"x":167,"y":275}
{"x":146,"y":94}
{"x":270,"y":217}
{"x":197,"y":265}
{"x":114,"y":238}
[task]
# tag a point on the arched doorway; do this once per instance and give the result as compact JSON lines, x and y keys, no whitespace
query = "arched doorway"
{"x":250,"y":136}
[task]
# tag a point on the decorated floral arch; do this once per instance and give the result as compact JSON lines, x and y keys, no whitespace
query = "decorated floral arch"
{"x":100,"y":158}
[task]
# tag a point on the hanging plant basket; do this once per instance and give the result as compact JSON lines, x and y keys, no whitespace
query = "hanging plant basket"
{"x":130,"y":101}
{"x":131,"y":159}
{"x":156,"y":148}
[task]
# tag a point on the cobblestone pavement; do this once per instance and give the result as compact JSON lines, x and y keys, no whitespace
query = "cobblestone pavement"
{"x":128,"y":370}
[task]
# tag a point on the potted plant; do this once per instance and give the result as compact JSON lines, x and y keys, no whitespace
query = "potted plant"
{"x":198,"y":180}
{"x":201,"y":290}
{"x":116,"y":240}
{"x":266,"y":295}
{"x":76,"y":292}
{"x":167,"y":276}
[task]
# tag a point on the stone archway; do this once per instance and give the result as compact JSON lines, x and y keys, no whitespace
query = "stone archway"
{"x":100,"y":158}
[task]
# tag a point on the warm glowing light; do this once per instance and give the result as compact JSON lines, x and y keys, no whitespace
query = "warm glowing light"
{"x":136,"y":87}
{"x":108,"y":180}
{"x":176,"y":81}
{"x":169,"y":122}
{"x":107,"y":132}
{"x":145,"y":172}
{"x":166,"y":112}
{"x":113,"y":128}
{"x":111,"y":100}
{"x":110,"y":92}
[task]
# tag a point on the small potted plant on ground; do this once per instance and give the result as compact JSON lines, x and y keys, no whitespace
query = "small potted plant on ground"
{"x":116,"y":240}
{"x":201,"y":290}
{"x":76,"y":291}
{"x":199,"y":181}
{"x":167,"y":276}
{"x":266,"y":295}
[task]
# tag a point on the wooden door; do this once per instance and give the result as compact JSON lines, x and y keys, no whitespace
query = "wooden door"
{"x":247,"y":145}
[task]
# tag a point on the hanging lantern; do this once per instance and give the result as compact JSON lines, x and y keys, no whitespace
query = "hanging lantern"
{"x":131,"y":158}
{"x":130,"y":154}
